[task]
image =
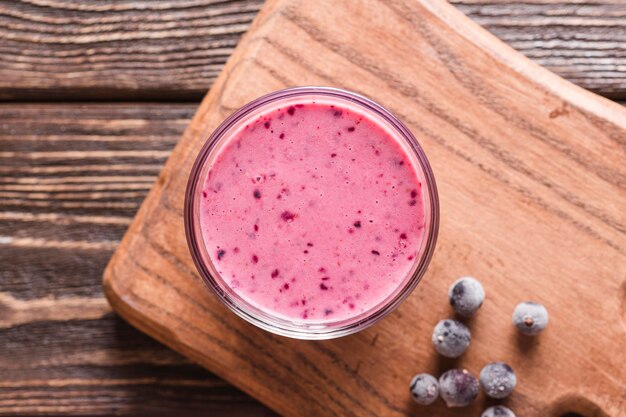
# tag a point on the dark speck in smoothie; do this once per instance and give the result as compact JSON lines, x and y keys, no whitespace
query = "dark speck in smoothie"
{"x":413,"y":193}
{"x":220,"y":254}
{"x":309,"y":244}
{"x":275,"y":273}
{"x":323,"y":287}
{"x":322,"y":269}
{"x":291,"y":110}
{"x":402,"y":235}
{"x":256,"y":227}
{"x":255,"y":259}
{"x":204,"y":194}
{"x":328,"y":312}
{"x":351,"y":129}
{"x":287,"y":216}
{"x":337,"y":113}
{"x":267,"y":125}
{"x":325,"y":278}
{"x":332,"y":155}
{"x":375,"y":252}
{"x":412,"y":202}
{"x":282,"y":136}
{"x":357,"y":224}
{"x":286,"y":286}
{"x":257,"y":194}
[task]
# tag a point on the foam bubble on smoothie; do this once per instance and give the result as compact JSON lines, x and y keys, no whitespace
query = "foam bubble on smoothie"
{"x":313,"y":211}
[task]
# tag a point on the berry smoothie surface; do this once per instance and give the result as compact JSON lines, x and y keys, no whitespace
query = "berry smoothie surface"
{"x":313,"y":211}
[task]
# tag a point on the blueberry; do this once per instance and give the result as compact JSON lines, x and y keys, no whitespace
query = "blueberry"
{"x":424,"y":389}
{"x":458,"y":387}
{"x":497,"y":379}
{"x":498,"y":411}
{"x":530,"y":318}
{"x":451,"y":338}
{"x":466,"y":295}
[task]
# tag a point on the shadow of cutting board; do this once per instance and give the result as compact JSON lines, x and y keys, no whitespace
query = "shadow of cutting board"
{"x":532,"y":178}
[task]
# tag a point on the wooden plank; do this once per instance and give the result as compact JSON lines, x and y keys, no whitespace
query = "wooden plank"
{"x":172,"y":50}
{"x":166,"y":50}
{"x":105,"y":367}
{"x":71,"y":178}
{"x":584,"y":42}
{"x":531,"y":178}
{"x":63,"y":351}
{"x":84,"y":160}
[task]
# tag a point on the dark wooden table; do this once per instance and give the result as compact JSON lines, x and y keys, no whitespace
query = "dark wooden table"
{"x":94,"y":96}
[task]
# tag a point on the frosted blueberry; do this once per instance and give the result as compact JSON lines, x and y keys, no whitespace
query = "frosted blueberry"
{"x":424,"y":389}
{"x":466,"y":295}
{"x":458,"y":387}
{"x":498,"y":411}
{"x":451,"y":338}
{"x":530,"y":318}
{"x":497,"y":379}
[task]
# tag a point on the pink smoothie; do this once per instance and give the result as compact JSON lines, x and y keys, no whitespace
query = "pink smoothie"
{"x":313,"y":212}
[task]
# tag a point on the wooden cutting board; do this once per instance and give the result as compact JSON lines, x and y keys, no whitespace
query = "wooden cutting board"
{"x":532,"y":178}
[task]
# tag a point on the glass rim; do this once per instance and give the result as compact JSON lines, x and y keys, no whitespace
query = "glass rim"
{"x":431,"y":225}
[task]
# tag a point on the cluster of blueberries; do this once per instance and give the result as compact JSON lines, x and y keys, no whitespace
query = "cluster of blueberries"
{"x":451,"y":338}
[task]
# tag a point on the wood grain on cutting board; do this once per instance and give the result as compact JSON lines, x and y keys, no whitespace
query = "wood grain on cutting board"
{"x":532,"y":181}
